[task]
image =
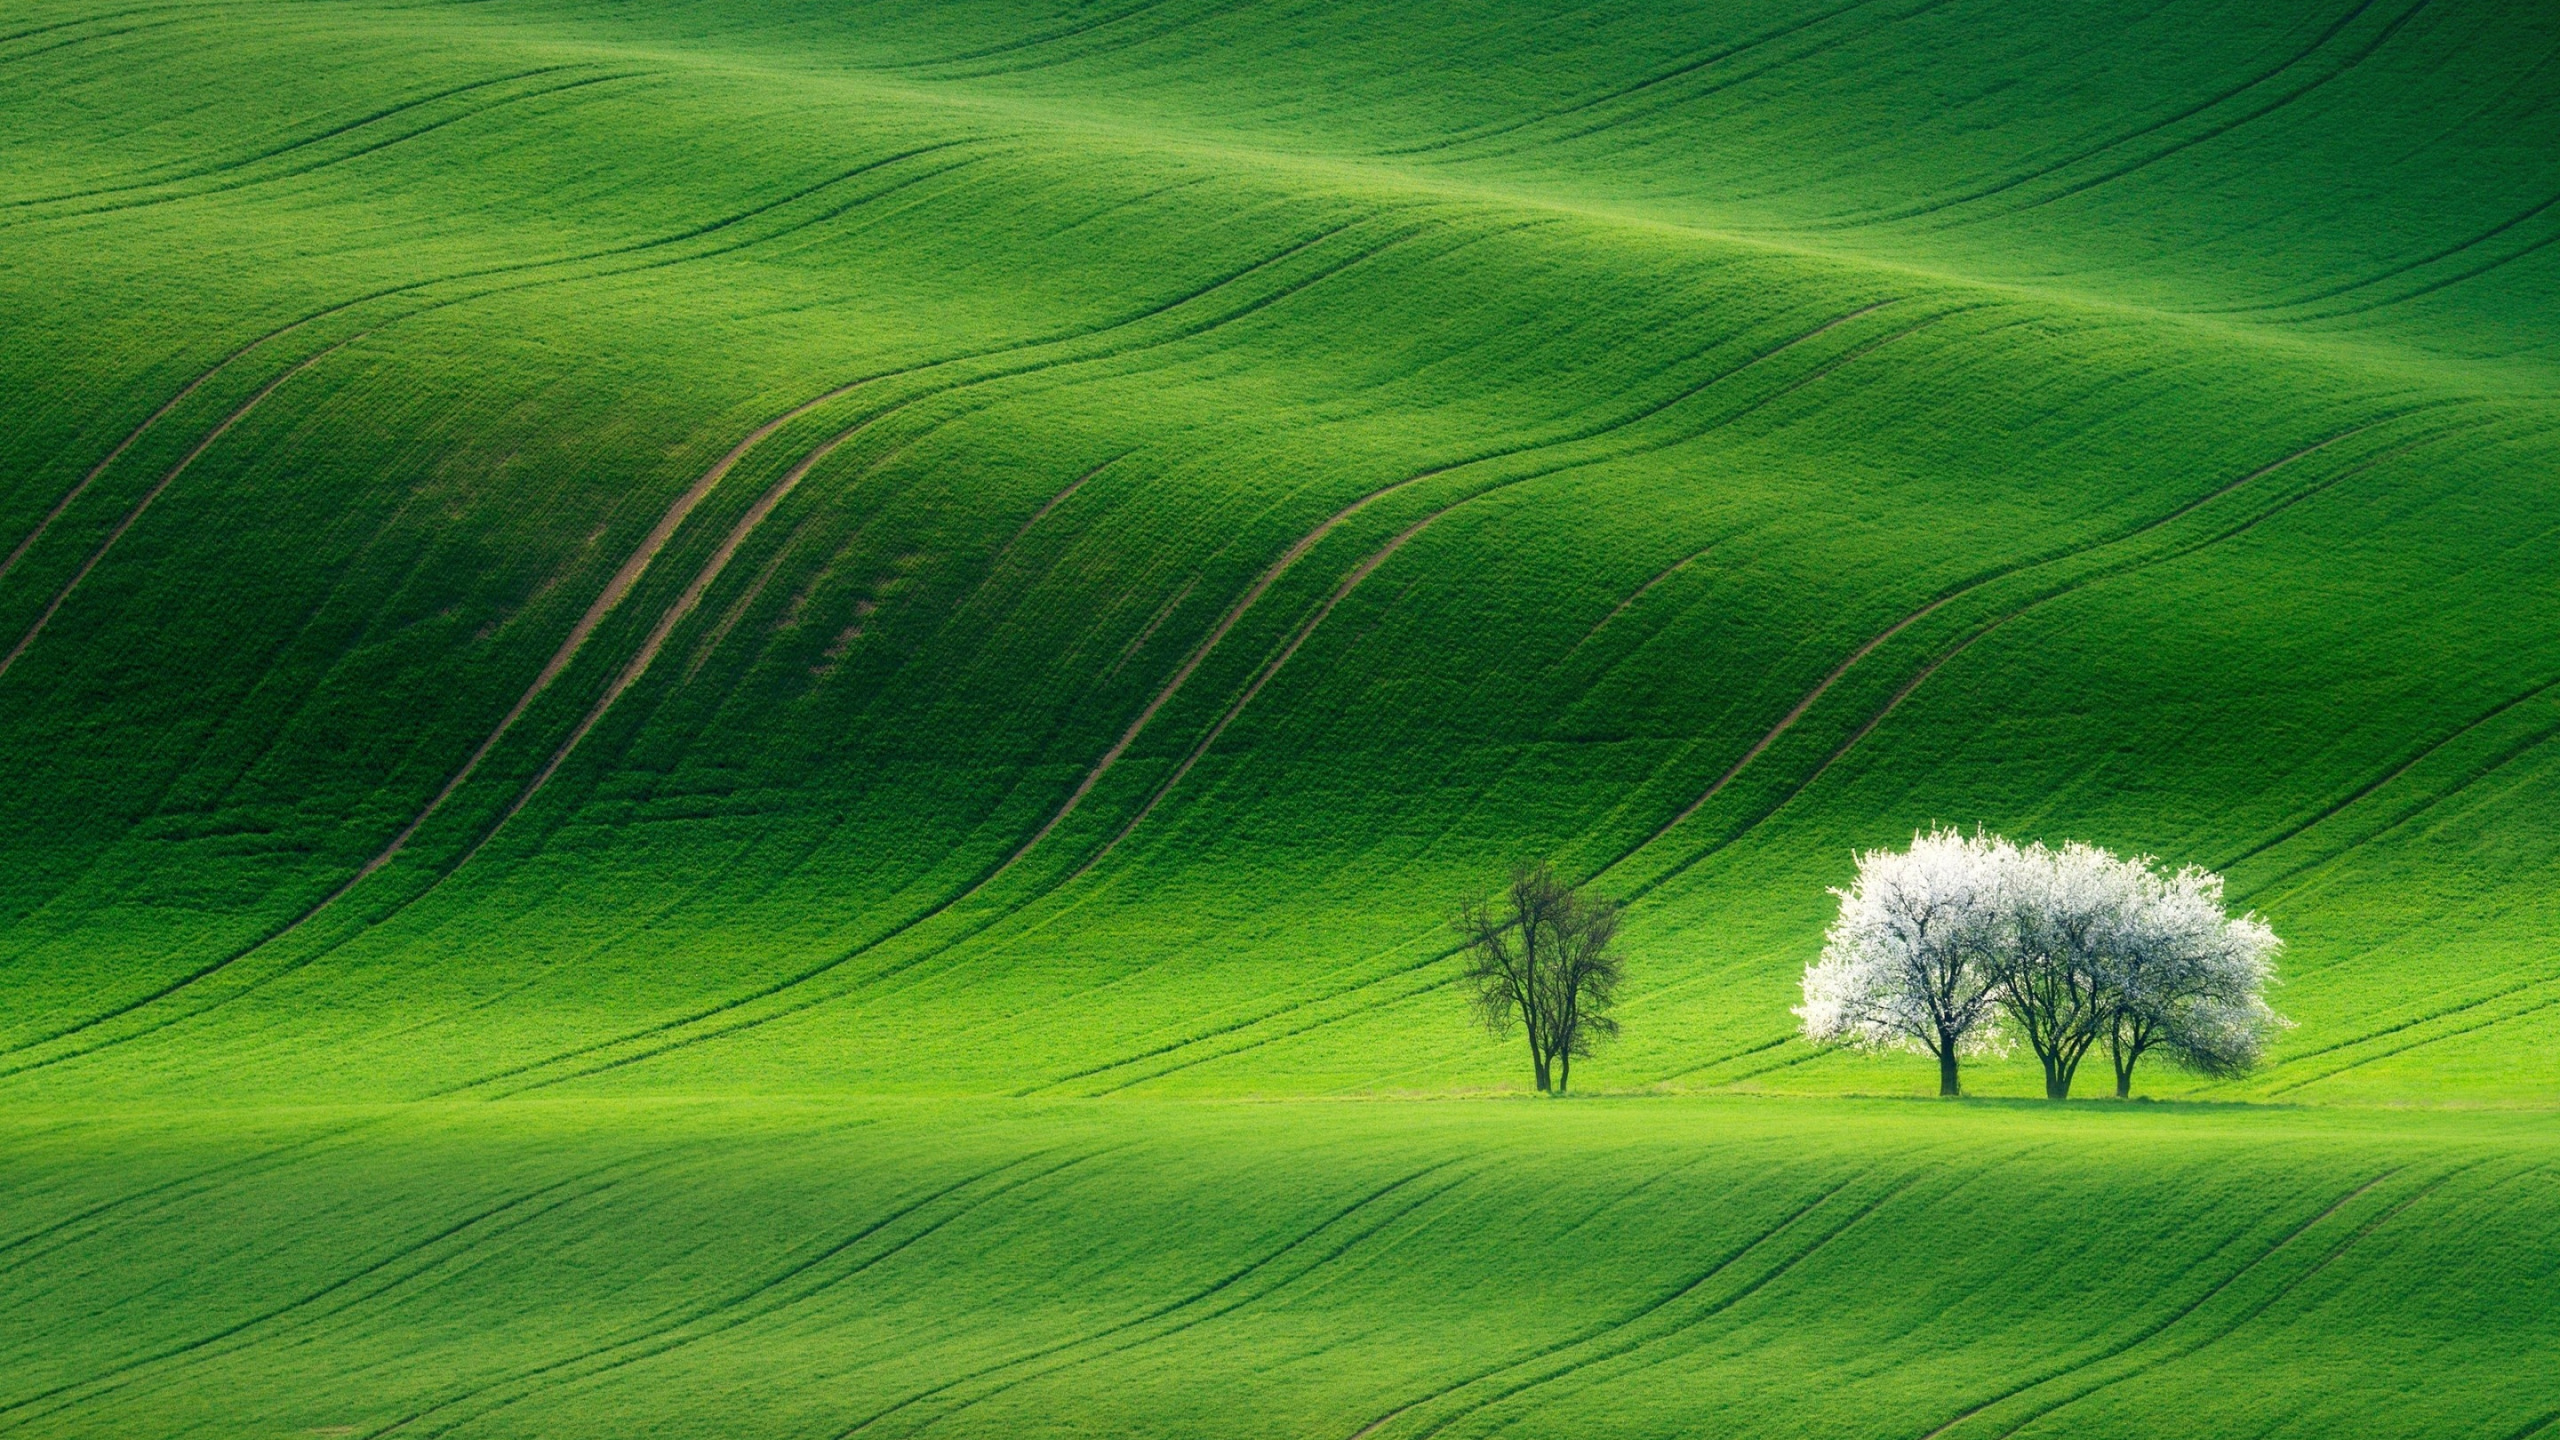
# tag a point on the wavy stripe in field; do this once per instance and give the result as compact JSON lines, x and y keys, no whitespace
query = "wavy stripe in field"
{"x":984,"y":878}
{"x":30,"y":54}
{"x":734,"y":1309}
{"x":119,"y":1376}
{"x":1689,"y":66}
{"x":1067,"y":54}
{"x":242,"y":162}
{"x":1822,"y":687}
{"x":2216,"y":132}
{"x":1754,"y":1286}
{"x":2081,"y":157}
{"x":1028,"y":42}
{"x":2351,"y":798}
{"x":1715,"y":1268}
{"x":2422,"y":1042}
{"x":2471,"y":242}
{"x":139,"y":506}
{"x":334,"y":160}
{"x":15,"y":36}
{"x":609,"y":599}
{"x":1343,"y":1247}
{"x":1369,"y":564}
{"x":1642,"y":890}
{"x":1218,"y":632}
{"x":2147,"y":1332}
{"x":1212,"y":1291}
{"x":2127,"y":566}
{"x":2285,"y":1287}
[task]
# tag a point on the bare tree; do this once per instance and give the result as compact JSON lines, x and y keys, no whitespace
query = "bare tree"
{"x":1542,"y":956}
{"x":2187,"y":979}
{"x":1911,"y":961}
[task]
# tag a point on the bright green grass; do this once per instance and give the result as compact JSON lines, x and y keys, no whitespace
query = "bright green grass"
{"x":1228,"y":480}
{"x":1294,"y":1268}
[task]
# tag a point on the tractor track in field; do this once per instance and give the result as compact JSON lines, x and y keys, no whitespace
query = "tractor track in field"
{"x":1629,"y":117}
{"x":1218,"y":632}
{"x":2089,"y":153}
{"x":2131,"y":565}
{"x":2215,"y":132}
{"x":1758,"y":749}
{"x":1685,"y":68}
{"x":627,"y":576}
{"x":733,"y":1310}
{"x":166,"y":480}
{"x":243,"y":162}
{"x":1169,"y":26}
{"x":2147,"y":1332}
{"x":1368,"y":565}
{"x":319,"y":165}
{"x":1754,"y":1286}
{"x":1188,"y":333}
{"x":1215,"y":1291}
{"x":89,"y":39}
{"x":107,"y":1382}
{"x":2352,"y":798}
{"x":2424,"y":1041}
{"x":1722,"y":1263}
{"x":2287,"y":1287}
{"x":1031,"y":42}
{"x":2394,"y":273}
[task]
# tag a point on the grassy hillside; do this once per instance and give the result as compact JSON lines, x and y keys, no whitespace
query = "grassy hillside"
{"x":1005,"y":553}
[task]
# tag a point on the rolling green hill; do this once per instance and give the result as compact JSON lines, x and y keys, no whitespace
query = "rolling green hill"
{"x":596,"y":593}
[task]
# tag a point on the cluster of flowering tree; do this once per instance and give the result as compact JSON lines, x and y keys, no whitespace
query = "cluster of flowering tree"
{"x":1963,"y":945}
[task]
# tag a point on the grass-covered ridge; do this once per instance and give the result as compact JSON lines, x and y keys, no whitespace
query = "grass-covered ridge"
{"x":897,"y":627}
{"x":1166,"y":435}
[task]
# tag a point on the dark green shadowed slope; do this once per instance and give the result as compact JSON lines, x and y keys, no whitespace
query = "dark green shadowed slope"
{"x":1003,"y":553}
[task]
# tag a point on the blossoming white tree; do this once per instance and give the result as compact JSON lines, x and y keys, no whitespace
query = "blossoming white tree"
{"x":1910,"y":963}
{"x":2188,"y":979}
{"x":1949,"y":946}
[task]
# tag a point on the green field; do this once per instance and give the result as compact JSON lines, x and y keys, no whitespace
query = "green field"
{"x":760,"y":719}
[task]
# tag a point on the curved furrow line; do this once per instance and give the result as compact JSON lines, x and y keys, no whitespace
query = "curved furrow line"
{"x":1663,"y":77}
{"x":2127,"y":566}
{"x":218,"y":366}
{"x":2395,"y":272}
{"x":166,"y":480}
{"x":2218,"y":131}
{"x":1029,"y":42}
{"x":2424,"y":1041}
{"x":319,"y":165}
{"x":1687,"y":1287}
{"x":287,"y":148}
{"x":2223,"y":97}
{"x":1345,"y":1247}
{"x":782,"y":488}
{"x":2412,"y":1022}
{"x":1193,"y":331}
{"x":108,"y":1381}
{"x":616,"y":589}
{"x":15,"y":36}
{"x":986,"y":877}
{"x":2389,"y":1213}
{"x":1759,"y":748}
{"x":2332,"y":809}
{"x":1629,"y":117}
{"x":1370,"y":563}
{"x":1753,"y":1287}
{"x":92,"y":39}
{"x":1105,"y":47}
{"x":2431,"y":287}
{"x":1207,"y":1292}
{"x":1216,"y":634}
{"x":1787,"y":721}
{"x":536,"y":1377}
{"x":2182,"y":1312}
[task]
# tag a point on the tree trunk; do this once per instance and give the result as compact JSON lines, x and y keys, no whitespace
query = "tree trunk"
{"x":2057,"y":1084}
{"x":1564,"y":1071}
{"x":1947,"y":1087}
{"x":1541,"y":1062}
